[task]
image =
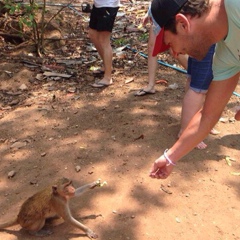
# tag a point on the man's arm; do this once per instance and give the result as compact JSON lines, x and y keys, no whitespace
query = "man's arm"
{"x":201,"y":124}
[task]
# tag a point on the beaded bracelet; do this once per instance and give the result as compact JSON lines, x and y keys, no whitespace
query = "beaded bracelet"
{"x":170,"y":162}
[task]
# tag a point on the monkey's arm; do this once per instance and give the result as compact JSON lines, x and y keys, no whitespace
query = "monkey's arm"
{"x":88,"y":186}
{"x":65,"y":213}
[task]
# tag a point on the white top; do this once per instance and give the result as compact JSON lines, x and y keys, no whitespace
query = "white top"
{"x":106,"y":3}
{"x":226,"y":61}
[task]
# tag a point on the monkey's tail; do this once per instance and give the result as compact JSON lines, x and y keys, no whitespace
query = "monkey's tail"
{"x":9,"y":223}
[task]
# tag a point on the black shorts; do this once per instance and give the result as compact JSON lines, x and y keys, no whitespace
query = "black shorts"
{"x":102,"y":19}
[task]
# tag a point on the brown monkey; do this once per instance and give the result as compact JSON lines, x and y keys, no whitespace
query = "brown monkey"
{"x":51,"y":202}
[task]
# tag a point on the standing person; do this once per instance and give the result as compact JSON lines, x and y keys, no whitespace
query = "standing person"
{"x":101,"y":24}
{"x":152,"y":61}
{"x":191,"y":27}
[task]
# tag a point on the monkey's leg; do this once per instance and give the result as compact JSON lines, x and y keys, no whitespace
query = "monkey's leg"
{"x":86,"y":187}
{"x":35,"y":228}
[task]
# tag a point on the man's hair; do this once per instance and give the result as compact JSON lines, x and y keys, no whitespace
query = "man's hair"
{"x":192,"y":8}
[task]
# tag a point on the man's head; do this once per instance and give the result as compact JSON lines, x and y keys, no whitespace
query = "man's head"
{"x":179,"y":31}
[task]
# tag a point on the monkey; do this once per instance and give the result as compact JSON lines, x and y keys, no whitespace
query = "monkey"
{"x":51,"y":202}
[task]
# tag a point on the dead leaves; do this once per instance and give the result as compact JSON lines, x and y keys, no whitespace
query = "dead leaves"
{"x":229,"y":161}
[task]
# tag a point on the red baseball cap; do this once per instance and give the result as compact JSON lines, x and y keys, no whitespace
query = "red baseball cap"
{"x":159,"y":45}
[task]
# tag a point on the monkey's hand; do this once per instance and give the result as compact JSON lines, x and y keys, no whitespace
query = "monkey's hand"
{"x":91,"y":234}
{"x":98,"y":183}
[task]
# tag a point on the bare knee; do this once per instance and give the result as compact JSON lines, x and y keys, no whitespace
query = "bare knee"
{"x":92,"y":34}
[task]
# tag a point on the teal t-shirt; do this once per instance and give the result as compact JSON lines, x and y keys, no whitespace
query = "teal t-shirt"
{"x":226,"y":61}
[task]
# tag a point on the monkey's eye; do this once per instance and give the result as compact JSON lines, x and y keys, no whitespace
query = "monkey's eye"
{"x":68,"y":184}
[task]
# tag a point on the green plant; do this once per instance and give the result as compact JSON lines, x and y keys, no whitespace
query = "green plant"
{"x":143,"y":37}
{"x":27,"y":16}
{"x":120,"y":41}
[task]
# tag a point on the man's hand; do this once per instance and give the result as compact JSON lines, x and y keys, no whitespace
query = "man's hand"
{"x":161,"y":169}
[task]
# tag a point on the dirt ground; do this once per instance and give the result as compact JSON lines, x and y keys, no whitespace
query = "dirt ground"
{"x":60,"y":126}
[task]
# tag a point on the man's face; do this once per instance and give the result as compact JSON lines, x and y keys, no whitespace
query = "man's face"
{"x":195,"y":44}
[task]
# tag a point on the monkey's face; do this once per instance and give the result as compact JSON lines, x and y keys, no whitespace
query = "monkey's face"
{"x":65,"y":190}
{"x":69,"y":190}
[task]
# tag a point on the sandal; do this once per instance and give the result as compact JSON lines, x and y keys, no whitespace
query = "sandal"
{"x":98,"y":72}
{"x":100,"y":85}
{"x":142,"y":92}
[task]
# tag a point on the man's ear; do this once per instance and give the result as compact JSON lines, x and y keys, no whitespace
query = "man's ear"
{"x":183,"y":24}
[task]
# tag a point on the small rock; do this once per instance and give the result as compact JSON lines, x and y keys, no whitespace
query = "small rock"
{"x":33,"y":182}
{"x":11,"y":174}
{"x":173,"y":86}
{"x":39,"y":77}
{"x":23,"y":87}
{"x":18,"y":145}
{"x":78,"y":168}
{"x":71,"y":90}
{"x":43,"y":154}
{"x":178,"y":220}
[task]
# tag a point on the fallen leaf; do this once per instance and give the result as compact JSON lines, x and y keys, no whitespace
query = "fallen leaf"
{"x":162,"y":81}
{"x":235,"y":173}
{"x":129,"y":80}
{"x":229,"y":160}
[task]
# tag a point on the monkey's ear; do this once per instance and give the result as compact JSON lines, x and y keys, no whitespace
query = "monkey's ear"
{"x":54,"y":188}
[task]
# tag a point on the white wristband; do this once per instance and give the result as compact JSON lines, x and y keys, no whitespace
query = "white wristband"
{"x":170,"y":162}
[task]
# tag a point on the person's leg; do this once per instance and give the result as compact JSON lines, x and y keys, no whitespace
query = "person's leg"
{"x":152,"y":62}
{"x":94,"y":35}
{"x":107,"y":55}
{"x":152,"y":66}
{"x":101,"y":25}
{"x":101,"y":40}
